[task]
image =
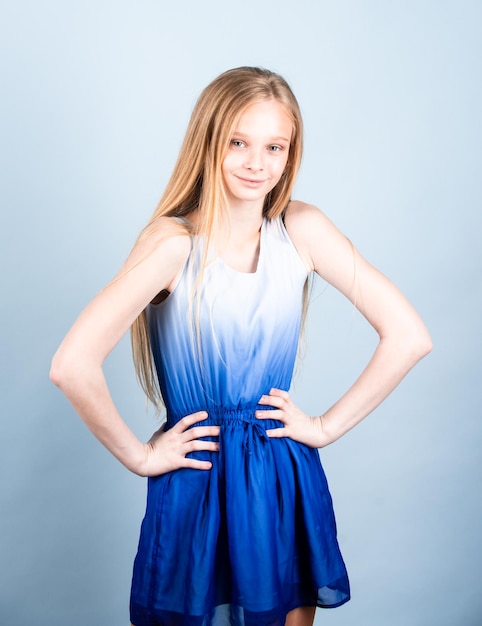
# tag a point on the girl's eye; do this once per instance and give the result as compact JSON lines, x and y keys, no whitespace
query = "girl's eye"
{"x":237,"y":143}
{"x":275,"y":148}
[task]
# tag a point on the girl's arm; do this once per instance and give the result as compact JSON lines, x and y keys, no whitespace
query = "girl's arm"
{"x":153,"y":265}
{"x":404,"y":339}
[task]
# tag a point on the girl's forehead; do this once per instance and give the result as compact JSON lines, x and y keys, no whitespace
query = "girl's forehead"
{"x":266,"y":117}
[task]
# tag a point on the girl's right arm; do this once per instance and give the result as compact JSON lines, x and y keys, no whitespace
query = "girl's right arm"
{"x":153,"y":265}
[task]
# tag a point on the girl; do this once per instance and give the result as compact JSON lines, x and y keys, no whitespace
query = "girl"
{"x":239,"y":526}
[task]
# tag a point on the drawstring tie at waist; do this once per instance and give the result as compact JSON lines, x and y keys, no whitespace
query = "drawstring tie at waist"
{"x":254,"y":429}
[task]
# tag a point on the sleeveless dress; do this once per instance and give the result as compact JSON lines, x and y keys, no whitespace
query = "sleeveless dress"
{"x":254,"y":537}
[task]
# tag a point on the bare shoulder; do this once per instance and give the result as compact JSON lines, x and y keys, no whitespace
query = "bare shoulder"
{"x":306,"y":220}
{"x":158,"y":257}
{"x":165,"y":238}
{"x":312,"y":232}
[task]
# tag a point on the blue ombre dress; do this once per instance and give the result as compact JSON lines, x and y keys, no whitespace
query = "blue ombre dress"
{"x":254,"y":537}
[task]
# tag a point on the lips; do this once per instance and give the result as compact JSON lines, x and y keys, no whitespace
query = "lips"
{"x":251,"y":181}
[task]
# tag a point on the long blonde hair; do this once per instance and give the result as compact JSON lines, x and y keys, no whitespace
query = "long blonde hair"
{"x":196,"y":185}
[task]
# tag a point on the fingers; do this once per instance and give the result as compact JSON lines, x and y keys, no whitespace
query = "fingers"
{"x":183,"y":427}
{"x":276,"y":398}
{"x":201,"y":431}
{"x":187,"y":421}
{"x":279,"y":393}
{"x":200,"y":465}
{"x":272,"y":401}
{"x":275,"y":414}
{"x":197,"y":444}
{"x":279,"y":400}
{"x":282,"y":405}
{"x":276,"y":433}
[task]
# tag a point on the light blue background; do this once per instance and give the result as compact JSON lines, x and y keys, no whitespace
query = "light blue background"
{"x":95,"y":97}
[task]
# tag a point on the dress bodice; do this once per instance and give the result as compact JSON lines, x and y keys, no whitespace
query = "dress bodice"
{"x":244,"y":337}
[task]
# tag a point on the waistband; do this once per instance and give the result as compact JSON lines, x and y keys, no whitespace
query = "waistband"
{"x":231,"y":418}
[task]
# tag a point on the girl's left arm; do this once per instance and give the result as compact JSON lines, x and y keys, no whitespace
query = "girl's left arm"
{"x":403,"y":337}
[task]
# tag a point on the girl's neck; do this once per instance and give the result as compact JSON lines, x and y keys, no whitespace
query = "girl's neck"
{"x":241,"y":221}
{"x":239,"y":246}
{"x":244,"y":222}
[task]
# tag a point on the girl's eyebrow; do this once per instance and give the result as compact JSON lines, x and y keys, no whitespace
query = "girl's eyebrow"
{"x":245,"y":136}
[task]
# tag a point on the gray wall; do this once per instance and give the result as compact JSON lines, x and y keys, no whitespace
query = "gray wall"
{"x":95,"y":97}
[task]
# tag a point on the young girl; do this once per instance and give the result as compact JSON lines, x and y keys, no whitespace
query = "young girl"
{"x":239,"y":527}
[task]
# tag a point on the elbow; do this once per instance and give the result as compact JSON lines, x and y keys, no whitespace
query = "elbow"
{"x":427,"y":346}
{"x":409,"y":345}
{"x":424,"y":342}
{"x":54,"y":376}
{"x":70,"y":369}
{"x":56,"y":373}
{"x":63,"y":369}
{"x":419,"y":344}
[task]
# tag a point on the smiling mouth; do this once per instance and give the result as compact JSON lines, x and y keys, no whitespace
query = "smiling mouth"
{"x":250,"y":181}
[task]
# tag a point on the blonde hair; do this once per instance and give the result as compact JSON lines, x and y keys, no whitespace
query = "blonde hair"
{"x":196,"y":185}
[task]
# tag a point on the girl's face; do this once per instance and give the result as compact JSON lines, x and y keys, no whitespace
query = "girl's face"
{"x":257,"y":153}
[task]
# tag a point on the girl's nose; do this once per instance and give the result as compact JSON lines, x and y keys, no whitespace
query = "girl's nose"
{"x":254,"y":161}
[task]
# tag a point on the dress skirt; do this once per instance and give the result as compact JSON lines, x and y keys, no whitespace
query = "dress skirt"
{"x":243,"y":543}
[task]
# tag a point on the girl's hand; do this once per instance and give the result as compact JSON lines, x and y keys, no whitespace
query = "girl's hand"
{"x":297,"y":425}
{"x":167,"y":449}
